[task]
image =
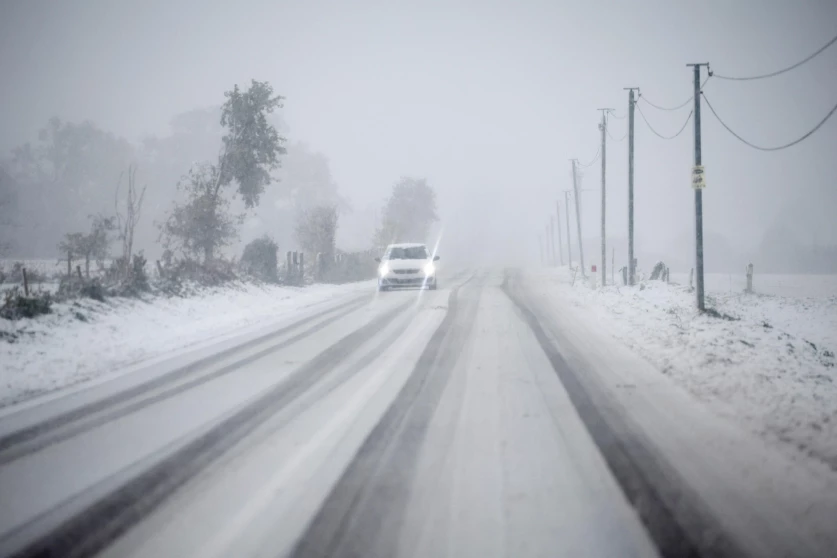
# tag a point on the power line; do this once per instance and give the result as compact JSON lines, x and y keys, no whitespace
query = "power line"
{"x":614,"y":139}
{"x":788,"y":69}
{"x":815,"y":128}
{"x":659,"y":134}
{"x":596,"y":158}
{"x":613,"y":114}
{"x":678,"y":107}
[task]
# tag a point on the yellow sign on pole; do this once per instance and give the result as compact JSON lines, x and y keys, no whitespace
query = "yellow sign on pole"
{"x":698,"y":178}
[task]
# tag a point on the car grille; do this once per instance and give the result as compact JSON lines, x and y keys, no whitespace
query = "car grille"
{"x":409,"y":281}
{"x":403,"y":271}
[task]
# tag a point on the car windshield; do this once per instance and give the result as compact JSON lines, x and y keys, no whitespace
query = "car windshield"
{"x":407,"y":253}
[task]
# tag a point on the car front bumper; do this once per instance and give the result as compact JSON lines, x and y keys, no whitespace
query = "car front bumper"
{"x":406,"y":281}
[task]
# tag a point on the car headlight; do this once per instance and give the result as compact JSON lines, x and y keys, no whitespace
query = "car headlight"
{"x":429,"y":269}
{"x":383,"y":270}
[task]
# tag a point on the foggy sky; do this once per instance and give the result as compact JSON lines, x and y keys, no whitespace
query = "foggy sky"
{"x":487,"y":100}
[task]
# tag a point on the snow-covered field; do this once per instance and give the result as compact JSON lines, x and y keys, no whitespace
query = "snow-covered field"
{"x":43,"y":274}
{"x":796,"y":286}
{"x":43,"y":267}
{"x":769,"y":363}
{"x":84,"y":339}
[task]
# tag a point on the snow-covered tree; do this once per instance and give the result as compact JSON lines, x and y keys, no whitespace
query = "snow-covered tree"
{"x":93,"y":246}
{"x":260,"y":259}
{"x":204,"y":223}
{"x":251,"y":150}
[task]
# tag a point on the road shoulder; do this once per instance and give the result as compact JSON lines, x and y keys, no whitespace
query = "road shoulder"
{"x":769,"y":504}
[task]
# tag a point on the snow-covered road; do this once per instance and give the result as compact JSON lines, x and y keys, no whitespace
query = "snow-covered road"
{"x":460,"y":422}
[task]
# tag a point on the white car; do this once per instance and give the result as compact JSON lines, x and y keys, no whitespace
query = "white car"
{"x":407,"y":265}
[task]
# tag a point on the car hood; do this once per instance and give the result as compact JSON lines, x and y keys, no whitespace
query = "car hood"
{"x":406,"y":264}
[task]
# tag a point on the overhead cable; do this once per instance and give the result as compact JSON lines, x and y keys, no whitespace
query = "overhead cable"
{"x":596,"y":158}
{"x":681,"y":105}
{"x":777,"y":148}
{"x":614,"y":139}
{"x":659,"y":134}
{"x":779,"y":72}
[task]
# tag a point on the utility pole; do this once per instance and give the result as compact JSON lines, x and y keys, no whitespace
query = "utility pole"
{"x":603,"y":128}
{"x":546,"y":245}
{"x":558,"y":227}
{"x":552,"y":239}
{"x":577,"y":218}
{"x":567,"y":213}
{"x":631,"y":105}
{"x":698,"y":184}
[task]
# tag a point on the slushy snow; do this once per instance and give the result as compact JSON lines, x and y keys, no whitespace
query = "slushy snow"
{"x":765,"y":361}
{"x":83,"y":339}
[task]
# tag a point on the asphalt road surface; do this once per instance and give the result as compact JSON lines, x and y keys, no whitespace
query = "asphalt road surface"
{"x":400,"y":424}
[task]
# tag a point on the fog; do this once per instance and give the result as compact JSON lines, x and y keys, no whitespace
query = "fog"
{"x":486,"y":100}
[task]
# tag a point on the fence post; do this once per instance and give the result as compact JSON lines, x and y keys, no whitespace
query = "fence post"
{"x":301,"y":268}
{"x":80,"y":276}
{"x":691,"y":278}
{"x":750,"y":278}
{"x":624,"y":271}
{"x":288,"y":268}
{"x":69,"y":264}
{"x":25,"y":282}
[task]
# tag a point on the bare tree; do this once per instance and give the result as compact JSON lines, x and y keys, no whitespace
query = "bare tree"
{"x":127,"y":223}
{"x":7,"y":208}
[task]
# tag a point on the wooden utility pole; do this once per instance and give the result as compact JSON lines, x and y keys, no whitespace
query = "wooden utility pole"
{"x":552,"y":240}
{"x":603,"y":128}
{"x":558,"y":227}
{"x":631,"y":106}
{"x":698,"y":183}
{"x":567,"y":213}
{"x":547,"y":258}
{"x":578,"y":217}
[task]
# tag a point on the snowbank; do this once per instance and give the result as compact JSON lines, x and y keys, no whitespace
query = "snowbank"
{"x":768,"y":361}
{"x":84,"y":339}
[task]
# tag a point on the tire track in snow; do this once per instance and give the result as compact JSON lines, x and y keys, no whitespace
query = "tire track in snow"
{"x":94,"y":528}
{"x":375,"y":487}
{"x":66,"y":425}
{"x":677,"y":521}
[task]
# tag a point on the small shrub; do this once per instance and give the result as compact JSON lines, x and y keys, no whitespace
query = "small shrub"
{"x":139,"y":275}
{"x":659,"y":272}
{"x":260,"y":259}
{"x":69,"y":286}
{"x":93,"y":290}
{"x":17,"y":305}
{"x":180,"y":276}
{"x":137,"y":281}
